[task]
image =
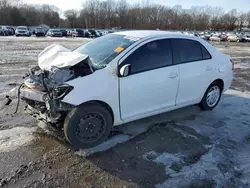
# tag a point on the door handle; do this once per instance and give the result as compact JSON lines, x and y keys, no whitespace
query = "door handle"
{"x":209,"y":68}
{"x":173,"y":75}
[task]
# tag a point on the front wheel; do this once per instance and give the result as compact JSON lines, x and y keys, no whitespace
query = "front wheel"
{"x":212,"y":97}
{"x":88,"y":125}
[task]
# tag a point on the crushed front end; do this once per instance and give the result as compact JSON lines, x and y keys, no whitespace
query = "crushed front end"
{"x":45,"y":86}
{"x":43,"y":93}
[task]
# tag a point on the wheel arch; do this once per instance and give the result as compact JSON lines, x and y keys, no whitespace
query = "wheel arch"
{"x":104,"y":104}
{"x":220,"y":82}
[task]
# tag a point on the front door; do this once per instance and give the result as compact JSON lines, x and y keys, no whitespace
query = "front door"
{"x":152,"y":83}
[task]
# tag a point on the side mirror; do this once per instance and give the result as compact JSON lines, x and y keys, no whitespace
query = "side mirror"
{"x":125,"y":70}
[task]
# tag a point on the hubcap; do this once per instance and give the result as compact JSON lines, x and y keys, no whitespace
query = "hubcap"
{"x":213,"y":96}
{"x":91,"y":127}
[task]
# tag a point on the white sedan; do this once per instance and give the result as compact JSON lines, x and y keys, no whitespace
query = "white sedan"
{"x":122,"y":77}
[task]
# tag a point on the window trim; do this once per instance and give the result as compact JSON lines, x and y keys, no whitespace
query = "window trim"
{"x":131,"y":51}
{"x":184,"y":62}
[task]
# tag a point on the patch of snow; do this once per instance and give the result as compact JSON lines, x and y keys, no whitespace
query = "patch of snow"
{"x":165,"y":158}
{"x":227,"y":126}
{"x":168,"y":159}
{"x":205,"y":168}
{"x":104,"y":146}
{"x":11,"y":139}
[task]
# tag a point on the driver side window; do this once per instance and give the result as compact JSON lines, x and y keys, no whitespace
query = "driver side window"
{"x":153,"y":55}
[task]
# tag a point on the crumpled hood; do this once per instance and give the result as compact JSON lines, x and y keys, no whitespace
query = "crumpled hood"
{"x":58,"y":56}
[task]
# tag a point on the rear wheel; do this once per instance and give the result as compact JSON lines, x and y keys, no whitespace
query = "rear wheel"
{"x":88,"y":125}
{"x":212,"y":97}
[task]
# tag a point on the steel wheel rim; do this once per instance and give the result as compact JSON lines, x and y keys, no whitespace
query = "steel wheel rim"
{"x":91,"y":127}
{"x":213,"y":96}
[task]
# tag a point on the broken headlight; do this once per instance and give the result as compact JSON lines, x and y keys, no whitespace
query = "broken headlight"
{"x":61,"y":91}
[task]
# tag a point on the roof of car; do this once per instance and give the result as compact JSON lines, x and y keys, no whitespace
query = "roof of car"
{"x":147,"y":33}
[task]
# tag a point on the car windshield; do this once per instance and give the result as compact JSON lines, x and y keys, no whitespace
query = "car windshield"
{"x":103,"y":50}
{"x":22,"y":28}
{"x":56,"y":30}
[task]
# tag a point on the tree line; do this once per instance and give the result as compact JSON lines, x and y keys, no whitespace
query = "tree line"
{"x":121,"y":14}
{"x":14,"y":12}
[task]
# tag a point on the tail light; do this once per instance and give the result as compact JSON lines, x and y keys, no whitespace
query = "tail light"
{"x":232,"y":64}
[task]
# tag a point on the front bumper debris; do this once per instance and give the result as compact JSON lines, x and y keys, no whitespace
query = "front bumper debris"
{"x":32,"y":95}
{"x":43,"y":107}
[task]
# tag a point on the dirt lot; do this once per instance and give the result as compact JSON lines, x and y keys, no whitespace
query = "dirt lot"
{"x":183,"y":148}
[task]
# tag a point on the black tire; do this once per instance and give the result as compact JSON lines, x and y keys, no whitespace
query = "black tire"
{"x":204,"y":104}
{"x":78,"y":121}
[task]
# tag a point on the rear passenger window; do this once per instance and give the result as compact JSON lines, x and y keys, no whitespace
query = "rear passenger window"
{"x":205,"y":53}
{"x":188,"y":50}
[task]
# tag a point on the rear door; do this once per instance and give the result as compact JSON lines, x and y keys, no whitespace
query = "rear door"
{"x":197,"y":70}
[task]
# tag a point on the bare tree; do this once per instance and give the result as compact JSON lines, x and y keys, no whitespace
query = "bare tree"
{"x":248,"y":18}
{"x":119,"y":13}
{"x":241,"y":20}
{"x":71,"y":16}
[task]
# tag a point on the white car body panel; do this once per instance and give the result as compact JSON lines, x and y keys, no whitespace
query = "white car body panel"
{"x":102,"y":86}
{"x":147,"y":96}
{"x":58,"y":56}
{"x":151,"y":92}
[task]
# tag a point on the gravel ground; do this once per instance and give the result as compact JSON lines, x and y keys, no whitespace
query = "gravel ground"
{"x":183,"y":148}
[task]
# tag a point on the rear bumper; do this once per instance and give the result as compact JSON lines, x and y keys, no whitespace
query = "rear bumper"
{"x":227,"y":82}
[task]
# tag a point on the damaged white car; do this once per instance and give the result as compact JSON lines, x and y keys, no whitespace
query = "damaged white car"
{"x":123,"y":77}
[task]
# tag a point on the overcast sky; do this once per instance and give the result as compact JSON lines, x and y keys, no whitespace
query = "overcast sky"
{"x":241,"y":5}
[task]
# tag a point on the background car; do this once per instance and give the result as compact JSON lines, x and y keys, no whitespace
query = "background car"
{"x":87,"y":34}
{"x":54,"y":33}
{"x":77,"y":33}
{"x":6,"y":31}
{"x":40,"y":32}
{"x":64,"y":32}
{"x":247,"y":38}
{"x":215,"y":38}
{"x":2,"y":32}
{"x":69,"y":34}
{"x":223,"y":37}
{"x":22,"y":31}
{"x":11,"y":30}
{"x":94,"y":33}
{"x":100,"y":33}
{"x":204,"y":37}
{"x":235,"y":38}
